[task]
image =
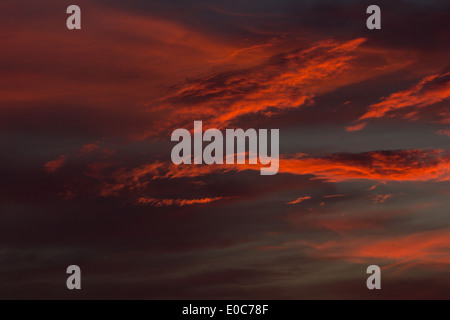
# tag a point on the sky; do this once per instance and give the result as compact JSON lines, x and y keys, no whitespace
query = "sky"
{"x":86,"y":118}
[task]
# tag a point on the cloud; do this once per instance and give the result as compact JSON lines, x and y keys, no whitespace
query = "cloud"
{"x":142,"y":68}
{"x":381,"y":198}
{"x":299,"y":200}
{"x":356,"y":127}
{"x":285,"y":81}
{"x":430,"y":90}
{"x":175,"y":202}
{"x":88,"y":148}
{"x":426,"y":247}
{"x":379,"y":166}
{"x":404,"y":165}
{"x":54,"y":165}
{"x":443,"y":132}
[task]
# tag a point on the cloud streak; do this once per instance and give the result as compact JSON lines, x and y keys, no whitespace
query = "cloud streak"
{"x":430,"y":90}
{"x":175,"y":202}
{"x":378,"y":166}
{"x":422,"y":248}
{"x":299,"y":200}
{"x":285,"y":81}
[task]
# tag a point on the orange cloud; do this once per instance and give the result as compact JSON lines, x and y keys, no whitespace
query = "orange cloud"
{"x":299,"y":200}
{"x":356,"y":127}
{"x":175,"y":202}
{"x":284,"y":81}
{"x":430,"y":90}
{"x":140,"y":177}
{"x":445,"y":117}
{"x":121,"y":59}
{"x":381,"y":198}
{"x":405,"y":165}
{"x":428,"y":247}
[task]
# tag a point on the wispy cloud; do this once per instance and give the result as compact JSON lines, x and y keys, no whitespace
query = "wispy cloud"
{"x":299,"y":200}
{"x":285,"y":81}
{"x":379,"y":166}
{"x":54,"y":165}
{"x":427,"y":247}
{"x":443,"y":132}
{"x":175,"y":202}
{"x":430,"y":90}
{"x":381,"y":198}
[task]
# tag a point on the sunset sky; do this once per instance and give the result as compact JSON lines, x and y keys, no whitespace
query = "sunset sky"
{"x":86,"y":118}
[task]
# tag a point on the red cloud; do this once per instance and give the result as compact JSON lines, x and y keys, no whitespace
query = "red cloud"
{"x":284,"y":81}
{"x":356,"y":127}
{"x":299,"y":200}
{"x":444,"y":132}
{"x":381,"y":198}
{"x":175,"y":202}
{"x":408,"y":165}
{"x":429,"y":247}
{"x":54,"y":165}
{"x":405,"y":165}
{"x":430,"y":90}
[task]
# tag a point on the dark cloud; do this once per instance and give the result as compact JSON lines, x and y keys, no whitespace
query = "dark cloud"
{"x":85,"y":123}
